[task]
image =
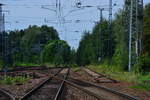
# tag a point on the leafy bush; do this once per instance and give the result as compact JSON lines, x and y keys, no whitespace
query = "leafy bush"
{"x":143,"y":65}
{"x":56,"y":52}
{"x":26,"y":45}
{"x":120,"y":58}
{"x":143,"y":82}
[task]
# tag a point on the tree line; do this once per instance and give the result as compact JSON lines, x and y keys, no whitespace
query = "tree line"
{"x":35,"y":45}
{"x":93,"y":48}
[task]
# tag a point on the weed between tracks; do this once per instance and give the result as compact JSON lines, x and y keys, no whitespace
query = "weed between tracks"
{"x":8,"y":80}
{"x":76,"y":69}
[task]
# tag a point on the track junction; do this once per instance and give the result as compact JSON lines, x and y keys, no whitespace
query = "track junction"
{"x":61,"y":83}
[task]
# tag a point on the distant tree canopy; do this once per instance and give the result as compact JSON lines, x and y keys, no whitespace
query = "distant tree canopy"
{"x":85,"y":53}
{"x":56,"y":52}
{"x":94,"y":46}
{"x":144,"y":64}
{"x":5,"y":57}
{"x":34,"y":40}
{"x":146,"y":36}
{"x":121,"y":38}
{"x":26,"y":46}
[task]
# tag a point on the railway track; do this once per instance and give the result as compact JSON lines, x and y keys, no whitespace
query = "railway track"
{"x":70,"y":91}
{"x":50,"y":89}
{"x":5,"y":95}
{"x":99,"y":92}
{"x":55,"y":89}
{"x":62,"y":85}
{"x":98,"y":77}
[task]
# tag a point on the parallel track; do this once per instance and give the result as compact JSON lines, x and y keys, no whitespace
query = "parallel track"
{"x":59,"y":92}
{"x":97,"y":91}
{"x":95,"y":87}
{"x":52,"y":85}
{"x":53,"y":89}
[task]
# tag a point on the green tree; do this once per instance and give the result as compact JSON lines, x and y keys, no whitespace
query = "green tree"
{"x":26,"y":45}
{"x":34,"y":40}
{"x":120,"y":57}
{"x":94,"y":46}
{"x":146,"y":37}
{"x":144,"y":59}
{"x":73,"y":56}
{"x":56,"y":52}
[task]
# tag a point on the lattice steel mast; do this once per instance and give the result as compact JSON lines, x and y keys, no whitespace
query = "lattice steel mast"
{"x":134,"y":16}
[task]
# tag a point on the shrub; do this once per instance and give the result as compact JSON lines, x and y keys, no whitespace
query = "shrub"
{"x":13,"y":80}
{"x":143,"y":65}
{"x":56,"y":52}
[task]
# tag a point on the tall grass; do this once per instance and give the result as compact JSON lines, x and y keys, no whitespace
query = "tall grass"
{"x":141,"y":82}
{"x":8,"y":80}
{"x":115,"y":72}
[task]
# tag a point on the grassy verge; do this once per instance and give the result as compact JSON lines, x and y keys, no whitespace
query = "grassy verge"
{"x":8,"y":80}
{"x":142,"y":87}
{"x":142,"y":82}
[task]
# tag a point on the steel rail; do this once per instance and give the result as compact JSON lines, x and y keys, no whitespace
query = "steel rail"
{"x":112,"y":91}
{"x":7,"y":94}
{"x":61,"y":86}
{"x":39,"y":86}
{"x":100,"y":87}
{"x":80,"y":88}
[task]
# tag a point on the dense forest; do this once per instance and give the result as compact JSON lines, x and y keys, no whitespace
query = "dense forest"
{"x":34,"y":45}
{"x":93,"y":48}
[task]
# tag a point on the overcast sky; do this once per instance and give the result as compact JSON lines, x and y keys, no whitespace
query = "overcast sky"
{"x":22,"y":13}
